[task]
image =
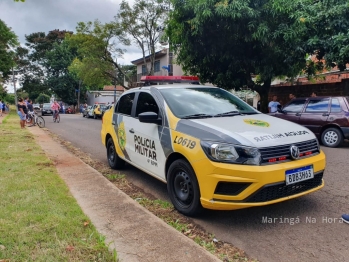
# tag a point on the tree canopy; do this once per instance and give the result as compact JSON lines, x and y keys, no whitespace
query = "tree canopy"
{"x":8,"y":41}
{"x":143,"y":23}
{"x":229,"y":43}
{"x":98,"y":47}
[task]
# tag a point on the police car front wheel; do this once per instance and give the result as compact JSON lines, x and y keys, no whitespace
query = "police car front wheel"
{"x":115,"y":162}
{"x":183,"y":188}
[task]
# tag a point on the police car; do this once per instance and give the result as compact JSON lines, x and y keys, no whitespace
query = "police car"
{"x":212,"y":149}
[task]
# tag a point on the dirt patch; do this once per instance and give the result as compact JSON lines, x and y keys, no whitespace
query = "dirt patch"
{"x":164,"y":210}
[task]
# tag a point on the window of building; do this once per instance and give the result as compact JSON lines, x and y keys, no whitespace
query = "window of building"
{"x":157,"y":66}
{"x":144,"y":70}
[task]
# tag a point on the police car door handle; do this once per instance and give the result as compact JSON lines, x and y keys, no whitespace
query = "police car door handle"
{"x":298,"y":114}
{"x":131,"y":130}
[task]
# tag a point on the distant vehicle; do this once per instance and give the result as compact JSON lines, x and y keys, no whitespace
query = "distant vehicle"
{"x":98,"y":110}
{"x":46,"y":109}
{"x":326,"y":117}
{"x":36,"y":106}
{"x":87,"y":112}
{"x":69,"y":110}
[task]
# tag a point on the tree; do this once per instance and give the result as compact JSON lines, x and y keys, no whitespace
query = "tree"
{"x":327,"y":30}
{"x":8,"y":41}
{"x":42,"y":98}
{"x":40,"y":66}
{"x":143,"y":22}
{"x":229,"y":43}
{"x":62,"y":82}
{"x":98,"y":47}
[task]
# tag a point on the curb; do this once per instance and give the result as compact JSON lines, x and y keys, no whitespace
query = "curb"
{"x":134,"y":232}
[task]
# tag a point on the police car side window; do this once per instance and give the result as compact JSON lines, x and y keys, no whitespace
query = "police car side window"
{"x":295,"y":106}
{"x":125,"y":104}
{"x":146,"y":103}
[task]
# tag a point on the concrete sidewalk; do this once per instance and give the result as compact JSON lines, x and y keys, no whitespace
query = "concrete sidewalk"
{"x":134,"y":232}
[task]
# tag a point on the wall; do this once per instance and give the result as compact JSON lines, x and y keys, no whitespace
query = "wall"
{"x":305,"y":90}
{"x":92,"y":99}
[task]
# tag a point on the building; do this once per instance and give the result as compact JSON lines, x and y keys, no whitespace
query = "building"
{"x":103,"y":96}
{"x":163,"y":65}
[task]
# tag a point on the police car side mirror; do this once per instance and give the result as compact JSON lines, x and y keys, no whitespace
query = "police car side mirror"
{"x":149,"y":117}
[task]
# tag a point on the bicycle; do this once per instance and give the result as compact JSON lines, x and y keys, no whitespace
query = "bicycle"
{"x":56,"y":117}
{"x":37,"y":120}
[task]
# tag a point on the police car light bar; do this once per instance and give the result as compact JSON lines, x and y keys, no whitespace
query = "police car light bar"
{"x":169,"y":79}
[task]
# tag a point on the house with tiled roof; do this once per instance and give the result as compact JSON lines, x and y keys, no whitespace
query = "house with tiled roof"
{"x":332,"y":82}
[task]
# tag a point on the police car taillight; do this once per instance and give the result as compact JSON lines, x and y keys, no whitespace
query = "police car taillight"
{"x":170,"y":79}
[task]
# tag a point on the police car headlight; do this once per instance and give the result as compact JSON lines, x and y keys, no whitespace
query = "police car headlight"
{"x":232,"y":153}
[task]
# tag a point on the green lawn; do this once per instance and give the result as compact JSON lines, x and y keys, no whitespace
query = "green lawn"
{"x":39,"y":218}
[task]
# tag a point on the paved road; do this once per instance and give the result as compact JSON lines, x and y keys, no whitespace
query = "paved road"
{"x":304,"y":229}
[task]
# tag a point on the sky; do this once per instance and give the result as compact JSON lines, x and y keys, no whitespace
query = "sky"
{"x":46,"y":15}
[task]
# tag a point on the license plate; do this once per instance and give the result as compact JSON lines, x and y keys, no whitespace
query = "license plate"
{"x":299,"y":174}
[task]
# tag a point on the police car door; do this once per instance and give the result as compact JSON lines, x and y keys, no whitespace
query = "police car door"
{"x":148,"y":152}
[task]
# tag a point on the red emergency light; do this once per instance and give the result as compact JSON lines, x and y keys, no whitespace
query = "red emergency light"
{"x":170,"y":79}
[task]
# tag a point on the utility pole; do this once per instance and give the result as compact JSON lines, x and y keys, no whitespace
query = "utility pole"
{"x":116,"y":77}
{"x":14,"y":86}
{"x":79,"y":95}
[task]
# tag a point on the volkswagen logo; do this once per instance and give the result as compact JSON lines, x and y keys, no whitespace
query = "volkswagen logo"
{"x":294,"y":152}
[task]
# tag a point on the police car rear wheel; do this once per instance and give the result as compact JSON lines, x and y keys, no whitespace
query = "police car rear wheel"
{"x":183,"y":188}
{"x":115,"y":162}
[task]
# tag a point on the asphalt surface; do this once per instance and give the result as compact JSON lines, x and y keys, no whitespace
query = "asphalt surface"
{"x":304,"y":229}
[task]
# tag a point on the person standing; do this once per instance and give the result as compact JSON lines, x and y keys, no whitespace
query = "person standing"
{"x":30,"y":112}
{"x":21,"y":112}
{"x":0,"y":107}
{"x":313,"y":94}
{"x":259,"y":105}
{"x":291,"y":96}
{"x":273,"y":105}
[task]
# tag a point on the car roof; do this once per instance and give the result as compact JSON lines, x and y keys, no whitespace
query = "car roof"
{"x":317,"y":97}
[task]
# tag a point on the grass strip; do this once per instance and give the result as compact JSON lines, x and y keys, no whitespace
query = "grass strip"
{"x":39,"y":219}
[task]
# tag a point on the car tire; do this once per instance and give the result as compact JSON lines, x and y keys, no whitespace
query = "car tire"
{"x":183,"y":188}
{"x":331,"y":137}
{"x":114,"y":161}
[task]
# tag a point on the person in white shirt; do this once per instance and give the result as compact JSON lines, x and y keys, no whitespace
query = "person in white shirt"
{"x":273,"y":105}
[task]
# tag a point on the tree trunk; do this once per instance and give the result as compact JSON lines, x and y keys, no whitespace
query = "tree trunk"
{"x":264,"y":93}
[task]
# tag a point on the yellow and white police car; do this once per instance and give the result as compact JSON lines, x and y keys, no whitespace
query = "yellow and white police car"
{"x":212,"y":149}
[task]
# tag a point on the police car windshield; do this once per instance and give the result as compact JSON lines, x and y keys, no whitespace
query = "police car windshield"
{"x":209,"y":101}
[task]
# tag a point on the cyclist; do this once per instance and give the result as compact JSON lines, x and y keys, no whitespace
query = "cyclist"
{"x":30,"y":114}
{"x":55,"y":108}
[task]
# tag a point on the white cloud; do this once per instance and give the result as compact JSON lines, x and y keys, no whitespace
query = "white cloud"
{"x":46,"y":15}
